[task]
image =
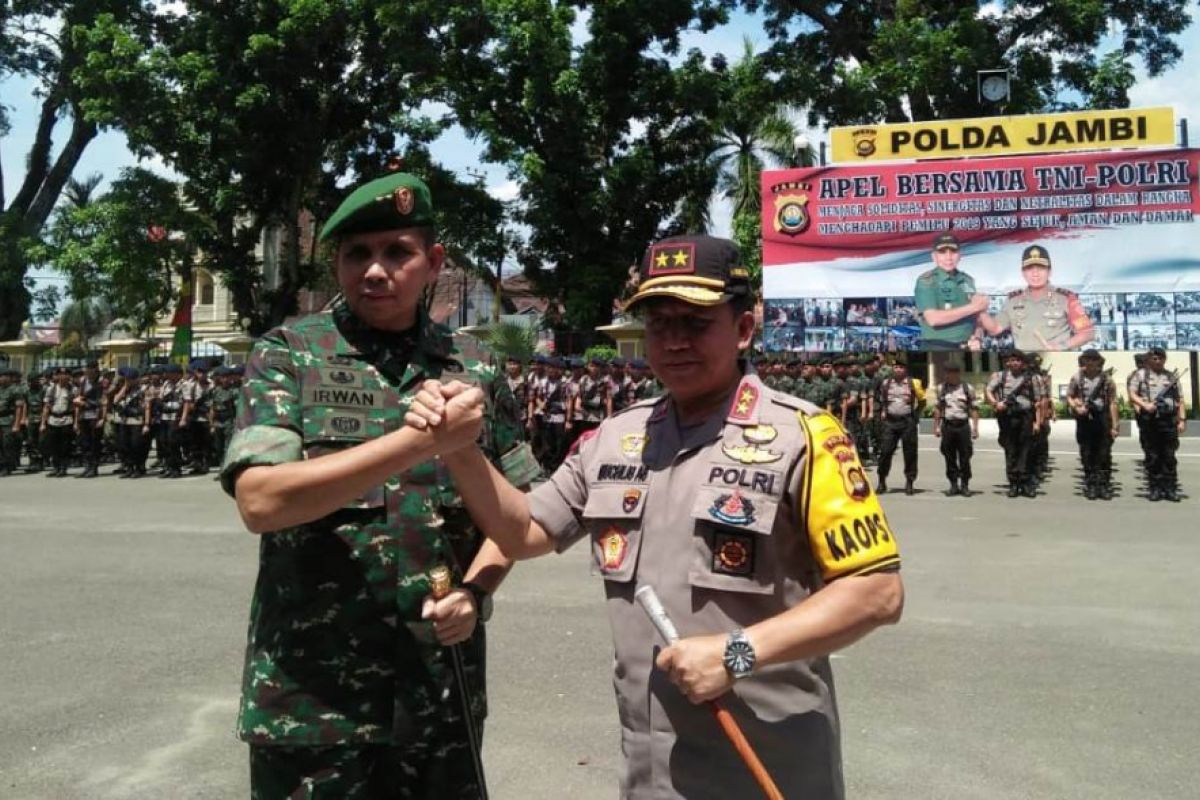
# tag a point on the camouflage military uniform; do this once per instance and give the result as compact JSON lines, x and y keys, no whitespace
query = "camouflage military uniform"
{"x":33,"y":420}
{"x":224,"y":413}
{"x":12,"y":397}
{"x":338,"y":661}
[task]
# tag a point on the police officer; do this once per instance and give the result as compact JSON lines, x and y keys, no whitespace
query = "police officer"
{"x":1041,"y":316}
{"x":57,"y":422}
{"x":948,"y":306}
{"x":348,"y":690}
{"x":89,"y":419}
{"x":1014,"y":394}
{"x":1159,"y":400}
{"x":132,"y":408}
{"x":552,"y":403}
{"x":593,"y":401}
{"x":172,"y":433}
{"x":956,"y":422}
{"x":899,"y":398}
{"x":1092,"y":396}
{"x":1039,"y":446}
{"x":620,"y":377}
{"x":195,"y":418}
{"x":750,"y":568}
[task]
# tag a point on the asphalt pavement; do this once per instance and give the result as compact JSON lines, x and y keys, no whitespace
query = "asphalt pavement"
{"x":1050,"y":648}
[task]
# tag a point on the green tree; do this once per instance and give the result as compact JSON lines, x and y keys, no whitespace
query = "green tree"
{"x":603,"y":136}
{"x":46,"y":44}
{"x":266,"y":109}
{"x":81,"y":321}
{"x":862,"y":61}
{"x":125,"y":247}
{"x":510,"y":340}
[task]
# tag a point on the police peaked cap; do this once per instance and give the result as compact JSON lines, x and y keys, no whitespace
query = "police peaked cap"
{"x":701,"y":270}
{"x":1035,"y":256}
{"x":173,"y":369}
{"x":393,"y":202}
{"x":617,"y":361}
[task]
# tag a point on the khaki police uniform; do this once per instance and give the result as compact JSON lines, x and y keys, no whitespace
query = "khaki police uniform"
{"x":1045,"y":322}
{"x":956,"y":403}
{"x":1020,"y":395}
{"x":732,"y":520}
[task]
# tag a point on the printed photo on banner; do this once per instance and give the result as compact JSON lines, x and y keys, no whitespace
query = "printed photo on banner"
{"x":866,"y":339}
{"x":824,"y":340}
{"x":1057,"y":236}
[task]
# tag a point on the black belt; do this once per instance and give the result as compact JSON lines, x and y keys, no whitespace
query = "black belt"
{"x":949,"y":421}
{"x":896,"y":417}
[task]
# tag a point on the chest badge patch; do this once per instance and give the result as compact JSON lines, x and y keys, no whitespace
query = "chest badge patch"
{"x":732,"y":509}
{"x":733,"y":554}
{"x":632,"y":444}
{"x":630,"y":499}
{"x":750,"y":454}
{"x":760,"y":434}
{"x":614,"y":544}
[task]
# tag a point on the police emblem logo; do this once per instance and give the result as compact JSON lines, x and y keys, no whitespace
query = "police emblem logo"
{"x":733,"y":554}
{"x":346,"y":425}
{"x":613,"y":546}
{"x":672,"y":258}
{"x":791,"y":214}
{"x":732,"y":509}
{"x":630,"y":499}
{"x":405,"y":200}
{"x":760,"y":434}
{"x":750,"y":454}
{"x":632,"y":444}
{"x":864,"y":142}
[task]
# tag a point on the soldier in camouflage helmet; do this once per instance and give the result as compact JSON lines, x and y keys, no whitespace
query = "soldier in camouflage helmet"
{"x":349,"y":687}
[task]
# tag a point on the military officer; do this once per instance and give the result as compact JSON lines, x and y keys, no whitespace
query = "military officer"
{"x":956,"y":423}
{"x":759,"y":568}
{"x":948,"y":307}
{"x":1159,"y":400}
{"x":1015,"y":396}
{"x":1092,"y":396}
{"x":34,"y":446}
{"x":1041,"y":316}
{"x":348,"y":690}
{"x":222,"y":411}
{"x":12,"y":413}
{"x":900,"y":399}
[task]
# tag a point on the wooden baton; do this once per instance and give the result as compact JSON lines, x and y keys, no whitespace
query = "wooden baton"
{"x":648,"y":600}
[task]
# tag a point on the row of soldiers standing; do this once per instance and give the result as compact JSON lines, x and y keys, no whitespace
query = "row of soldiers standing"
{"x":59,"y":416}
{"x":560,"y":399}
{"x":880,"y":405}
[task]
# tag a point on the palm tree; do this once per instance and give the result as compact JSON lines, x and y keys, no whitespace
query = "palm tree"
{"x":510,"y":340}
{"x":755,"y":133}
{"x":78,"y":194}
{"x":84,"y":319}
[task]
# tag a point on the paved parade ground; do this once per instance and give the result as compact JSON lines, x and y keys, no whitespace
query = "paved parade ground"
{"x":1050,"y":648}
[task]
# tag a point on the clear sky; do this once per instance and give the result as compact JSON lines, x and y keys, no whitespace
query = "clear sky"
{"x":108,"y":153}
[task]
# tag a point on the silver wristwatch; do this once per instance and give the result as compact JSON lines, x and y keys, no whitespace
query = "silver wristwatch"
{"x":739,"y":654}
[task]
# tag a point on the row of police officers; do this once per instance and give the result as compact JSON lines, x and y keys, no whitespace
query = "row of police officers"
{"x":57,"y":417}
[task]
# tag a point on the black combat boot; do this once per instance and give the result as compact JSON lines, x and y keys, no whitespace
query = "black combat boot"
{"x":908,"y":487}
{"x":954,"y":490}
{"x":1014,"y":490}
{"x":881,"y":487}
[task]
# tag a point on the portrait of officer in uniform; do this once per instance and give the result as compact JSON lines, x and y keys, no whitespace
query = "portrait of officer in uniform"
{"x":746,"y":510}
{"x":1041,"y":317}
{"x":947,"y":304}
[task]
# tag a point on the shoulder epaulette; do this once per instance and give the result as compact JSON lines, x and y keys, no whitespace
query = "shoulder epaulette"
{"x":1064,"y":292}
{"x":1016,"y":293}
{"x":927,"y":276}
{"x":647,"y":403}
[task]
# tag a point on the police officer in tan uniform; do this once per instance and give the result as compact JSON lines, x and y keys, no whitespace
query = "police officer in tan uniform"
{"x":749,"y":513}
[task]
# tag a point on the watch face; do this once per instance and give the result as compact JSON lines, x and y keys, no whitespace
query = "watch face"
{"x":994,"y":88}
{"x":739,"y":658}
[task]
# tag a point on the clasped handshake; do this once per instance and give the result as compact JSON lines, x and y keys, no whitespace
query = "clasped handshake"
{"x":451,"y":412}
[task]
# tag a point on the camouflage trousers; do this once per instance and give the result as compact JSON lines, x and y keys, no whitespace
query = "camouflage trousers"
{"x":429,"y":771}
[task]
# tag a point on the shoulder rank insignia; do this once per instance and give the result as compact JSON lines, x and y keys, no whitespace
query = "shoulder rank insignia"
{"x":732,"y":509}
{"x":745,"y":401}
{"x":632,"y":444}
{"x":760,"y":434}
{"x":614,"y":544}
{"x":750,"y":454}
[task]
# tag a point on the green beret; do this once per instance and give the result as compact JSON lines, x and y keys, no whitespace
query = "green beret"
{"x":399,"y":200}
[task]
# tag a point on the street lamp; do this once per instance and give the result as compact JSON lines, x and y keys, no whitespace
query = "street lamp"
{"x":800,"y":148}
